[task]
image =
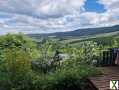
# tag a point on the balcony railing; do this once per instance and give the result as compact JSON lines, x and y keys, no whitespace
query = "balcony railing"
{"x":107,"y":58}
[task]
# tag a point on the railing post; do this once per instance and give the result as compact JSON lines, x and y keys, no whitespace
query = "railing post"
{"x":107,"y":58}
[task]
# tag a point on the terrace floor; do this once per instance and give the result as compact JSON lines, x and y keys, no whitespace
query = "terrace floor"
{"x":102,"y":82}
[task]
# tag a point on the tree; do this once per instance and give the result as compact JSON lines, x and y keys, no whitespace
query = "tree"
{"x":16,"y":53}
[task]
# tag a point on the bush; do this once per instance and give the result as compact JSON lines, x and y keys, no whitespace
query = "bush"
{"x":16,"y":54}
{"x":11,"y":41}
{"x":65,"y":79}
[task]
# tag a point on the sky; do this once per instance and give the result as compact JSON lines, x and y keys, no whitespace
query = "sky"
{"x":48,"y":16}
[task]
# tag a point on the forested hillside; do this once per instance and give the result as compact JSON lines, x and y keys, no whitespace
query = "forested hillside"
{"x":80,"y":32}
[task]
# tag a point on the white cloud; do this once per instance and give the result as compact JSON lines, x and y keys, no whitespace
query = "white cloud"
{"x":39,"y":14}
{"x":42,"y":8}
{"x":110,"y":3}
{"x":112,"y":7}
{"x":33,"y":16}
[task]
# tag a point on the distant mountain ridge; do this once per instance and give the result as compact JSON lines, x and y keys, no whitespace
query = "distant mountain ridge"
{"x":82,"y":32}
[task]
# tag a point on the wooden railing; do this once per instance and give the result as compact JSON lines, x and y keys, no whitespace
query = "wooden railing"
{"x":107,"y":58}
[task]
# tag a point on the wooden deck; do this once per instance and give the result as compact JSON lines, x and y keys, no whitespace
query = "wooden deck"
{"x":102,"y":82}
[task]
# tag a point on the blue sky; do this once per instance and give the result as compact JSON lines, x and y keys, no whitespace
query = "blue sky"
{"x":94,"y":6}
{"x":47,"y":16}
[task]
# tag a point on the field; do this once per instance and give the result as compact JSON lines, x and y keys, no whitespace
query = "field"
{"x":104,"y":38}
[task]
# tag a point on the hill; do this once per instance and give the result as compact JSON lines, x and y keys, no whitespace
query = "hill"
{"x":80,"y":32}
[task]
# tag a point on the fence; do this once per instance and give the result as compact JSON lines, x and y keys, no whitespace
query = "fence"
{"x":108,"y":58}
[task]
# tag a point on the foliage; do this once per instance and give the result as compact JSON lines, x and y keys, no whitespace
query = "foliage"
{"x":84,"y":53}
{"x":65,"y":78}
{"x":71,"y":73}
{"x":16,"y":54}
{"x":20,"y":41}
{"x":16,"y":58}
{"x":47,"y":49}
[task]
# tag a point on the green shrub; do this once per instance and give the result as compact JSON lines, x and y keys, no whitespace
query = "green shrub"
{"x":16,"y":53}
{"x":65,"y":79}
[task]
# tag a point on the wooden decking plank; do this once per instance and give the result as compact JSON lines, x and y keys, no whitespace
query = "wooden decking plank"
{"x":102,"y":82}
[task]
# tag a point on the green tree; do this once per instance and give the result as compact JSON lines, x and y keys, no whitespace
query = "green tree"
{"x":16,"y":53}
